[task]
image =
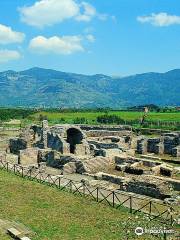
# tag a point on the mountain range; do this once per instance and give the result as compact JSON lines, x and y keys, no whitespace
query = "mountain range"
{"x":38,"y":87}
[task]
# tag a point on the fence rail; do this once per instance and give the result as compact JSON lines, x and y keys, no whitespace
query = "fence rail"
{"x":155,"y":209}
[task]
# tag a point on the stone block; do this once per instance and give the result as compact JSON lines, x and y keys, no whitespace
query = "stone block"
{"x":69,"y":168}
{"x":28,"y":156}
{"x":152,"y":145}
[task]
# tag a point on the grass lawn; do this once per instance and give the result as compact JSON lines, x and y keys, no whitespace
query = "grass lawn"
{"x":55,"y":215}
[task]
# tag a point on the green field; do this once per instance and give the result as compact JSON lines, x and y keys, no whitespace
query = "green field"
{"x":161,"y":120}
{"x":54,"y":215}
{"x":91,"y":116}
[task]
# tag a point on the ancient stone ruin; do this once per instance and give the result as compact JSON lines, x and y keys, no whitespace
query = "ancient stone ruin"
{"x":114,"y":156}
{"x":168,"y":143}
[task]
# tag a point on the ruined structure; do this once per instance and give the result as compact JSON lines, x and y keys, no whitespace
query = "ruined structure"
{"x":113,"y":154}
{"x":168,"y":143}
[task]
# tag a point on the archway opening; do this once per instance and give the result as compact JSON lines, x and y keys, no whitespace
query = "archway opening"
{"x":74,"y":136}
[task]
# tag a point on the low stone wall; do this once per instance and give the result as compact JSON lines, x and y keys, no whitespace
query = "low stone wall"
{"x":105,"y":133}
{"x":102,"y":145}
{"x":148,"y":186}
{"x":55,"y":159}
{"x":151,"y":189}
{"x":116,"y":128}
{"x":173,"y":182}
{"x":110,"y":178}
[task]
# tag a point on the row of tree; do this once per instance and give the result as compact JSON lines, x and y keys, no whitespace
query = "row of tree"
{"x":7,"y":113}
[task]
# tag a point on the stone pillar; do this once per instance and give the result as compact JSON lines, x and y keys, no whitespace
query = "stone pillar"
{"x":142,"y":146}
{"x":44,"y":133}
{"x":159,"y":148}
{"x":171,"y":141}
{"x":176,"y":151}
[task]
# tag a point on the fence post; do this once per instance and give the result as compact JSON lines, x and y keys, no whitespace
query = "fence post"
{"x":113,"y":194}
{"x":70,"y":182}
{"x":171,"y":212}
{"x":97,"y":197}
{"x":164,"y":236}
{"x":150,"y":208}
{"x":7,"y":166}
{"x":22,"y":172}
{"x":30,"y":172}
{"x":59,"y":183}
{"x":130,"y":205}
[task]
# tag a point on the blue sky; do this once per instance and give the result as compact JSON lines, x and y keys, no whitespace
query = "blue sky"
{"x":113,"y":37}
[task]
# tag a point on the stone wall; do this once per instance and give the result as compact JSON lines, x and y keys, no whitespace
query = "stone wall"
{"x":105,"y":133}
{"x":82,"y":149}
{"x":110,"y":178}
{"x":100,"y":145}
{"x":17,"y":144}
{"x":117,"y":128}
{"x":56,"y":142}
{"x":150,"y":188}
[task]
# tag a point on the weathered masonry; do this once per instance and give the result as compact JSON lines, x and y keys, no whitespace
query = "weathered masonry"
{"x":112,"y":156}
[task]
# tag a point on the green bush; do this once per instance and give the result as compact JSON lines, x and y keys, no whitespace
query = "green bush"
{"x":110,"y":119}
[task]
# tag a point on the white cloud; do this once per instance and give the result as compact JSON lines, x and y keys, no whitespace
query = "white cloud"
{"x":90,"y":38}
{"x":88,"y":12}
{"x":49,"y":12}
{"x":7,"y":35}
{"x":160,"y":19}
{"x":57,"y":45}
{"x":8,"y":55}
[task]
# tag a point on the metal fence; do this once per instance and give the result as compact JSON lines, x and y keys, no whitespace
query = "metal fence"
{"x":155,"y":209}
